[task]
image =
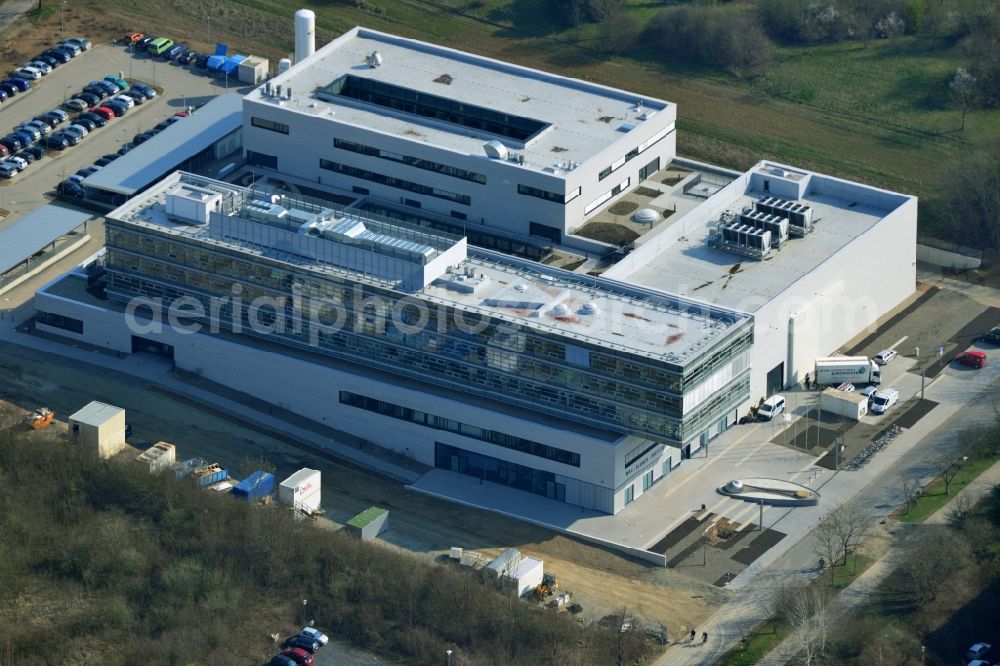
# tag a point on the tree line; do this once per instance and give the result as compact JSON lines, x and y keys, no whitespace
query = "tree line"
{"x":101,"y":562}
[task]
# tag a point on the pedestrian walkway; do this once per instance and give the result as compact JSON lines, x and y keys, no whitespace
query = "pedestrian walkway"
{"x":977,"y":292}
{"x":859,"y":591}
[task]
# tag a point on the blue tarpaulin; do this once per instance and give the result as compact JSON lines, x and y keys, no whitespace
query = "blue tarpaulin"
{"x":221,"y":49}
{"x":232,"y":64}
{"x":215,"y":62}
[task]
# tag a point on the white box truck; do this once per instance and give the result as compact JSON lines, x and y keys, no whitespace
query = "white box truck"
{"x":836,"y":370}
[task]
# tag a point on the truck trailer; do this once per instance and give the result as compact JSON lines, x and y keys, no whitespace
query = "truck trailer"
{"x":836,"y":370}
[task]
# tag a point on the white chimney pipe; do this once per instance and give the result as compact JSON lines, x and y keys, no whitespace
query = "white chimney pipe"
{"x":305,"y":34}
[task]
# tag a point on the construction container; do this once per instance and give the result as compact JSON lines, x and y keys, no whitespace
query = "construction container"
{"x":503,"y":563}
{"x":257,"y":485}
{"x":157,"y":458}
{"x":185,"y":467}
{"x":850,"y":404}
{"x":456,"y":553}
{"x":208,"y":475}
{"x":253,"y":70}
{"x":523,"y":577}
{"x":369,"y":523}
{"x":100,"y":428}
{"x":301,"y":490}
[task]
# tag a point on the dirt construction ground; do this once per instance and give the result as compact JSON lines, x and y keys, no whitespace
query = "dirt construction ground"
{"x":601,"y":581}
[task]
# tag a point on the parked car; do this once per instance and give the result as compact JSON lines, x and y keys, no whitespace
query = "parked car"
{"x":88,"y":98}
{"x":57,"y":113}
{"x":8,"y":89}
{"x":104,"y":161}
{"x":299,"y":656}
{"x":188,"y":57}
{"x":869,"y":392}
{"x":69,"y":46}
{"x":11,"y":143}
{"x":884,"y":399}
{"x":62,"y":56}
{"x":148,"y":91}
{"x":58,"y":141}
{"x":37,"y":151}
{"x":315,"y":634}
{"x":29,"y":73}
{"x":21,"y":163}
{"x":42,"y":66}
{"x":4,"y":96}
{"x":41,"y":127}
{"x":302,"y":642}
{"x":9,"y":170}
{"x":133,"y":37}
{"x":104,"y":112}
{"x":991,"y":336}
{"x":201,"y":62}
{"x":33,"y":133}
{"x":974,"y":359}
{"x":71,"y":189}
{"x":771,"y":408}
{"x":75,"y":105}
{"x":978,"y":651}
{"x":159,"y":46}
{"x":49,"y":60}
{"x":78,"y":130}
{"x":96,"y":118}
{"x":118,"y":81}
{"x":86,"y":123}
{"x":70,"y":54}
{"x":25,"y":156}
{"x":175,"y":51}
{"x":106,"y":86}
{"x":26,"y":139}
{"x":144,"y":43}
{"x":22,"y":85}
{"x":73,"y":137}
{"x":282,"y":660}
{"x":124,"y":99}
{"x":141,"y":138}
{"x":136,"y":96}
{"x":884,"y":356}
{"x":87,"y":171}
{"x":80,"y":42}
{"x":48,"y":120}
{"x":124,"y":149}
{"x":3,"y":151}
{"x":166,"y":122}
{"x":97,"y":91}
{"x":118,"y":108}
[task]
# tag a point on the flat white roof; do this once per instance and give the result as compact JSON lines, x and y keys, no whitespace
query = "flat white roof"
{"x":689,"y":267}
{"x":579,"y":118}
{"x":595,"y":310}
{"x":96,"y":413}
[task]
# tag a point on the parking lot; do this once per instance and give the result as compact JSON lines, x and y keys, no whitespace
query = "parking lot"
{"x":180,"y":86}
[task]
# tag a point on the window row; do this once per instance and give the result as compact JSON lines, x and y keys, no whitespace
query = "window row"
{"x":409,"y":160}
{"x":264,"y":123}
{"x":635,"y":152}
{"x":398,"y":183}
{"x":556,"y":197}
{"x":440,"y":423}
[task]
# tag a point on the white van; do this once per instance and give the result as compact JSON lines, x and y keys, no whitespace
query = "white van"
{"x":882,"y":400}
{"x":771,"y":408}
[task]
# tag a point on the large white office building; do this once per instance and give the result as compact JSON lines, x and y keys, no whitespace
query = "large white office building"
{"x":579,"y":388}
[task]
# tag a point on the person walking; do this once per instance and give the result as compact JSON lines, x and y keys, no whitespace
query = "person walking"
{"x":692,"y":636}
{"x":704,"y":637}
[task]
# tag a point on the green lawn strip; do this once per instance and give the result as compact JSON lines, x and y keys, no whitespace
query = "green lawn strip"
{"x":768,"y":635}
{"x":933,"y":497}
{"x":763,"y":639}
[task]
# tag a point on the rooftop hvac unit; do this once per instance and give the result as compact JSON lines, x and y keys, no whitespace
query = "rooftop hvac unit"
{"x":799,"y":215}
{"x":375,"y":59}
{"x":742,"y":239}
{"x":776,"y":224}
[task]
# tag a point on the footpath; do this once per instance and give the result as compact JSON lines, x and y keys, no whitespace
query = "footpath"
{"x":860,"y":590}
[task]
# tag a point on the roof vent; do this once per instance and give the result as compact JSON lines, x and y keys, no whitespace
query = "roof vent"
{"x":646,"y":216}
{"x":375,"y":59}
{"x":520,"y":287}
{"x":560,"y":310}
{"x":495,"y":150}
{"x":590,"y":308}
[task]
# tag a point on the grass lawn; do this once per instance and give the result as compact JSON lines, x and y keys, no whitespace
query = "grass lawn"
{"x":764,"y":639}
{"x":846,"y":574}
{"x":934,"y":497}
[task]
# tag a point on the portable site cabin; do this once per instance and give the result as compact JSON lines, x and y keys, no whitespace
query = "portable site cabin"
{"x":157,"y":458}
{"x":504,"y":562}
{"x":254,"y":487}
{"x":369,"y":523}
{"x":99,"y":427}
{"x":253,"y":70}
{"x":850,"y":404}
{"x":301,"y":490}
{"x":524,"y":577}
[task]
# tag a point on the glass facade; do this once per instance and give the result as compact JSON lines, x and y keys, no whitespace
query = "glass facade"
{"x":441,"y":423}
{"x":398,"y":183}
{"x":270,"y":125}
{"x":474,"y":353}
{"x":417,"y":162}
{"x":499,"y":471}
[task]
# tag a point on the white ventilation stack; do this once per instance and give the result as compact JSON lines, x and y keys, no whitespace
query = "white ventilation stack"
{"x":305,"y":34}
{"x":284,"y":65}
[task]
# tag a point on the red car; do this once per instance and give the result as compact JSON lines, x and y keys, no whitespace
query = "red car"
{"x":299,"y":656}
{"x":105,"y":112}
{"x":974,"y":359}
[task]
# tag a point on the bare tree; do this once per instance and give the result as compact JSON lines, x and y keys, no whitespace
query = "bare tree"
{"x":936,"y":549}
{"x":961,"y":509}
{"x":948,"y":474}
{"x":963,"y":91}
{"x":851,"y":524}
{"x":909,"y":488}
{"x":629,"y":636}
{"x":827,"y":543}
{"x":804,"y":609}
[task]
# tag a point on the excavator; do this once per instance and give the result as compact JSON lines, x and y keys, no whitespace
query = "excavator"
{"x":547,"y":587}
{"x":41,"y":418}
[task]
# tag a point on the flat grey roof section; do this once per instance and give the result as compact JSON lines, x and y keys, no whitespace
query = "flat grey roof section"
{"x":150,"y":161}
{"x":34,"y":231}
{"x":577,"y":119}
